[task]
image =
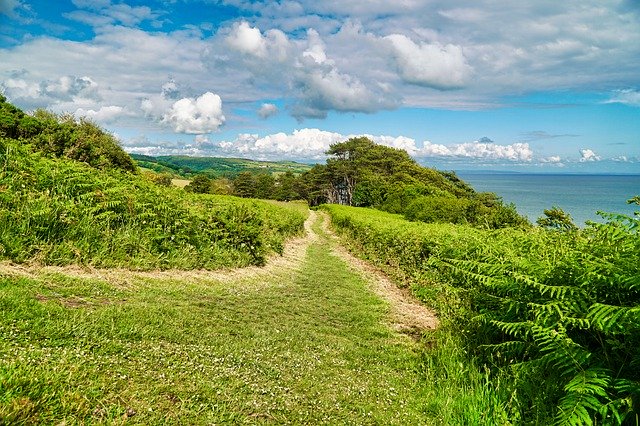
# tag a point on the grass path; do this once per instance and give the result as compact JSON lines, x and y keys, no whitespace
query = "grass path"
{"x":305,"y":340}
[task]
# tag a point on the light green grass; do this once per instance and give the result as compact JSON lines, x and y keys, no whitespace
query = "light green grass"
{"x":308,"y":346}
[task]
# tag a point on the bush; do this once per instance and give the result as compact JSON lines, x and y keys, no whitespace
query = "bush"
{"x":58,"y":211}
{"x":557,"y":312}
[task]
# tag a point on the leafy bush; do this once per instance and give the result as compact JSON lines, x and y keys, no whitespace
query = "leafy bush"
{"x":564,"y":307}
{"x":58,"y":211}
{"x":64,"y":136}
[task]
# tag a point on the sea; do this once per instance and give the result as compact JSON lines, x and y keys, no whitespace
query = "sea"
{"x":580,"y":195}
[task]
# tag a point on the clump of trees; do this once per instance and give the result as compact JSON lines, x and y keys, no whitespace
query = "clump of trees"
{"x":64,"y":136}
{"x":363,"y":174}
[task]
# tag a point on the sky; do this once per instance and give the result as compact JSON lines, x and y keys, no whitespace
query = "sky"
{"x":541,"y":86}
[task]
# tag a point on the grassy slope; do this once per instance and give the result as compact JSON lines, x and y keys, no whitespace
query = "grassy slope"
{"x":308,"y":345}
{"x":218,"y":166}
{"x":60,"y":211}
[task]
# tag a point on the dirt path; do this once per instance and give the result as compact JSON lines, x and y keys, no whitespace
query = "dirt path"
{"x":406,"y":313}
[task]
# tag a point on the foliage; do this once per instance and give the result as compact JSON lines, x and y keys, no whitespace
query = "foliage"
{"x":216,"y":167}
{"x":200,"y":184}
{"x":59,"y":211}
{"x":64,"y":136}
{"x":530,"y":303}
{"x":364,"y":174}
{"x":557,"y":219}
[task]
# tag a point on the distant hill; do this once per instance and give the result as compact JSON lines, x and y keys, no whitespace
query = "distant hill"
{"x":183,"y":165}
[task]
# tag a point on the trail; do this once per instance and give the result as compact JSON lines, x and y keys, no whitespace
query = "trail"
{"x":406,"y":313}
{"x":315,"y":336}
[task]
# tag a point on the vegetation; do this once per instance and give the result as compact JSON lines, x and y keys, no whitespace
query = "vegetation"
{"x":362,"y":173}
{"x":216,"y":167}
{"x":57,"y":208}
{"x":562,"y":306}
{"x":303,"y":345}
{"x":63,"y":136}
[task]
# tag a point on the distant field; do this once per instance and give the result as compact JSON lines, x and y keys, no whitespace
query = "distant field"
{"x":180,"y":183}
{"x":216,"y":166}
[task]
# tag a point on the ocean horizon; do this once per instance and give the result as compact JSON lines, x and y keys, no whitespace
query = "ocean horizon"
{"x":580,"y":195}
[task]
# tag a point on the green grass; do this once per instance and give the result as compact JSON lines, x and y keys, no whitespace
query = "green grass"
{"x":304,"y":346}
{"x":60,"y":211}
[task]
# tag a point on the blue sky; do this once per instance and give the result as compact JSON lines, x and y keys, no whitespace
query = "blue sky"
{"x":542,"y":86}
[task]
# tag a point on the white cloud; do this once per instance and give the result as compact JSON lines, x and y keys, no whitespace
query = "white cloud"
{"x":551,"y":159}
{"x":273,"y":46}
{"x":106,"y":114}
{"x":267,"y":110}
{"x":432,"y":65}
{"x":587,"y":154}
{"x":520,"y":152}
{"x":196,"y":116}
{"x":304,"y":143}
{"x":248,"y":40}
{"x":67,"y":88}
{"x":312,"y":143}
{"x":104,"y":13}
{"x":628,"y":97}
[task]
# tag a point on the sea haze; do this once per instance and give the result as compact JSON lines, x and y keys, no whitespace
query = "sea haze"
{"x":580,"y":195}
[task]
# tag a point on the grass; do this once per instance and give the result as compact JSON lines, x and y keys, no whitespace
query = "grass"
{"x":307,"y":345}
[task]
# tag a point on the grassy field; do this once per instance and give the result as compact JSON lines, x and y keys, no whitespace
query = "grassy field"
{"x":292,"y":343}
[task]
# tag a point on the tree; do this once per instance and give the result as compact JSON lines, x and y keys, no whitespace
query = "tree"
{"x":265,"y":186}
{"x":245,"y":185}
{"x":286,"y":187}
{"x":555,"y":218}
{"x":199,"y":185}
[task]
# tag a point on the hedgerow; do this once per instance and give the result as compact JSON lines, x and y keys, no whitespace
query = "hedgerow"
{"x":558,"y":311}
{"x":59,"y":211}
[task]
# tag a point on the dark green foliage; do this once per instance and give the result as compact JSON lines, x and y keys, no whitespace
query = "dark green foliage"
{"x":364,"y":174}
{"x":63,"y":136}
{"x":555,"y":218}
{"x":161,"y":179}
{"x":265,"y":186}
{"x":200,"y":184}
{"x":285,"y":189}
{"x":244,"y":185}
{"x":559,"y":312}
{"x":58,"y":211}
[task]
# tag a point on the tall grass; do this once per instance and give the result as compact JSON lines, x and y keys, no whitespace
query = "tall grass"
{"x":59,"y":211}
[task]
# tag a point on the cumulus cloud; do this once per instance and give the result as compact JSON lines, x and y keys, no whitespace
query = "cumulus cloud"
{"x":312,"y":143}
{"x":246,"y":39}
{"x":196,"y":116}
{"x":307,"y":143}
{"x":587,"y":154}
{"x":250,"y":41}
{"x":65,"y":88}
{"x":106,"y":114}
{"x":303,"y":70}
{"x":519,"y":152}
{"x":267,"y":110}
{"x":433,"y":65}
{"x":552,"y":159}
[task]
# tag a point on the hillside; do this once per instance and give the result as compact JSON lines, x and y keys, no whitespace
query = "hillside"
{"x":214,"y":167}
{"x":70,"y":194}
